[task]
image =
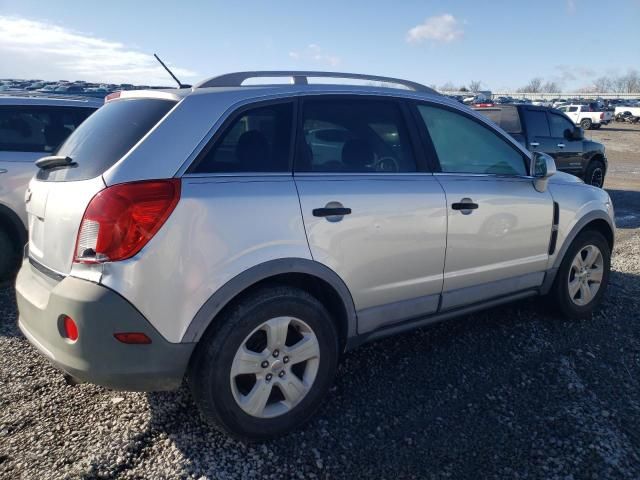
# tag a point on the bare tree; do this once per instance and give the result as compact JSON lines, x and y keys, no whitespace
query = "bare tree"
{"x":475,"y":86}
{"x":631,"y":82}
{"x":603,"y":84}
{"x":534,"y":86}
{"x":551,"y":87}
{"x":448,"y":87}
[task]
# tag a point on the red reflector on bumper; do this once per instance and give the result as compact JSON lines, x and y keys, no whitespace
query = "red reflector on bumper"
{"x":137,"y":338}
{"x":70,"y":328}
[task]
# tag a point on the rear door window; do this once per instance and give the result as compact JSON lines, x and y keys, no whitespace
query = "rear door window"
{"x":106,"y":137}
{"x":354,"y":136}
{"x":39,"y":129}
{"x":537,"y":125}
{"x":256,"y":140}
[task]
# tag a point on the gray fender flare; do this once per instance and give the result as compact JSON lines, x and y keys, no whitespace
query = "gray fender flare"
{"x":577,"y":228}
{"x":241,"y":282}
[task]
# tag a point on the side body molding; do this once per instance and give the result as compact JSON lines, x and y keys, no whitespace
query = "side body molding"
{"x":241,"y":282}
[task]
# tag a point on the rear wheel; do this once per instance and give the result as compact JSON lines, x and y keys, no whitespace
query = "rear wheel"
{"x":594,"y":174}
{"x":586,"y":124}
{"x":583,"y":275}
{"x":9,"y":256}
{"x":267,"y":364}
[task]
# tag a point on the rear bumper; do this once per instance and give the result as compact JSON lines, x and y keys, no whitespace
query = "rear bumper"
{"x":96,"y":356}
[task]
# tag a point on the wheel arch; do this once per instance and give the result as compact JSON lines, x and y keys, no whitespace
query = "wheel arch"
{"x":595,"y":220}
{"x":317,"y":279}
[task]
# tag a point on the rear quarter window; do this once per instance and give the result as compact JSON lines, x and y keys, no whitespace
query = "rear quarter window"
{"x":106,"y":136}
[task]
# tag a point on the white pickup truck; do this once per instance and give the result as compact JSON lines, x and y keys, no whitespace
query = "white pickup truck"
{"x":635,"y":111}
{"x":586,"y":116}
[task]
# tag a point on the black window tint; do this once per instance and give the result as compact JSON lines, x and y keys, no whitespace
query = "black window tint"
{"x":106,"y":136}
{"x":353,"y":135}
{"x":507,"y":117}
{"x":258,"y":140}
{"x":464,"y":145}
{"x":537,"y":125}
{"x":38,"y":129}
{"x":572,"y":109}
{"x":559,"y":124}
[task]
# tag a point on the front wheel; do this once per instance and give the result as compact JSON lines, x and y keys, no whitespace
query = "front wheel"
{"x":583,"y":275}
{"x":594,"y":174}
{"x":266,"y":365}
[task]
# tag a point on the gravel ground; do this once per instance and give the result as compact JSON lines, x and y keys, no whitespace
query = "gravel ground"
{"x":513,"y":392}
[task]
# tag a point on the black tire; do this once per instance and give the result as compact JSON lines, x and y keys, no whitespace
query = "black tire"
{"x":560,"y":289}
{"x":586,"y":124}
{"x":596,"y":126}
{"x":595,"y":173}
{"x":209,"y":370}
{"x":9,"y":257}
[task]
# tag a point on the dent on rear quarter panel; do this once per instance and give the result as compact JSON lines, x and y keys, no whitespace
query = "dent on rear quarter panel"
{"x":220,"y":228}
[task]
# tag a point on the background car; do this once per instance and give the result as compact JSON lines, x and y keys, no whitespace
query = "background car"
{"x":31,"y":127}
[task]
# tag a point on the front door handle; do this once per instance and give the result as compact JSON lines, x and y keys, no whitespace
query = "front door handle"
{"x":561,"y":145}
{"x":466,"y":206}
{"x":534,"y":144}
{"x":332,"y":211}
{"x":3,"y":170}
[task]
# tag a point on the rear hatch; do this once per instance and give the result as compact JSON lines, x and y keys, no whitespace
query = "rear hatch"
{"x":58,"y":195}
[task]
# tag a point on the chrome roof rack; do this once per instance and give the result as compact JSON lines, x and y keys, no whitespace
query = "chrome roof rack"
{"x":301,"y":78}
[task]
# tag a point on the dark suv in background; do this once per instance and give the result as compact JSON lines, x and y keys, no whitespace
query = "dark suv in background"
{"x":544,"y":129}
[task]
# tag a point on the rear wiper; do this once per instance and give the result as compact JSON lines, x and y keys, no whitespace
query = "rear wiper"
{"x":54,"y":161}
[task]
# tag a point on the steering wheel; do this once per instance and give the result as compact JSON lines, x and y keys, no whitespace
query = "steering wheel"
{"x":386,"y":164}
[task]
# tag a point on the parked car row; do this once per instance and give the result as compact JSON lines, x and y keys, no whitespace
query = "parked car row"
{"x":65,"y":87}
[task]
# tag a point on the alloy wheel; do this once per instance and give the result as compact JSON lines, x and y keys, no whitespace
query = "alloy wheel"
{"x":585,"y":275}
{"x":275,"y":367}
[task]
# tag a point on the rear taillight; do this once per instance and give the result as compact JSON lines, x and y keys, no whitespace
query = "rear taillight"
{"x":121,"y":219}
{"x":602,"y":116}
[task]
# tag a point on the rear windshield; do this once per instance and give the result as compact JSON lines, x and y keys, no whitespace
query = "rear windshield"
{"x":506,"y":117}
{"x":106,"y":136}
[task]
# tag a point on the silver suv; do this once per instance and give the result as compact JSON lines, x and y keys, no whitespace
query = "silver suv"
{"x":31,"y":126}
{"x":244,"y":237}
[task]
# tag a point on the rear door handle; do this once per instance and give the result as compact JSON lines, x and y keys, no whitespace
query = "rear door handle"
{"x":3,"y":170}
{"x":331,"y":212}
{"x":466,"y":206}
{"x":561,"y":145}
{"x":534,"y":144}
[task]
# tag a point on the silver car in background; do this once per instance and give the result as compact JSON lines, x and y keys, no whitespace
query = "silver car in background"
{"x":31,"y":125}
{"x":244,"y":237}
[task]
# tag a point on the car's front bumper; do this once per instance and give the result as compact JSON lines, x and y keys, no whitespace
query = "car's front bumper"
{"x":96,"y":356}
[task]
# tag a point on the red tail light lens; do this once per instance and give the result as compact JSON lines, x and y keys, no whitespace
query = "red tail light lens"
{"x":602,"y":116}
{"x":112,"y":96}
{"x":121,"y":219}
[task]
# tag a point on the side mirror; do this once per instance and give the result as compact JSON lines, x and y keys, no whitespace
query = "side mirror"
{"x":542,"y":167}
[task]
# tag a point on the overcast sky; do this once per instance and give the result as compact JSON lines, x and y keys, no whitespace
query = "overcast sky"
{"x":502,"y":43}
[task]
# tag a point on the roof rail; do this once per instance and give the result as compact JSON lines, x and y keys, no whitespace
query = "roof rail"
{"x":301,"y":78}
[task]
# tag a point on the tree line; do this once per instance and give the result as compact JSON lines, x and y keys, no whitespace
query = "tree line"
{"x":625,"y":83}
